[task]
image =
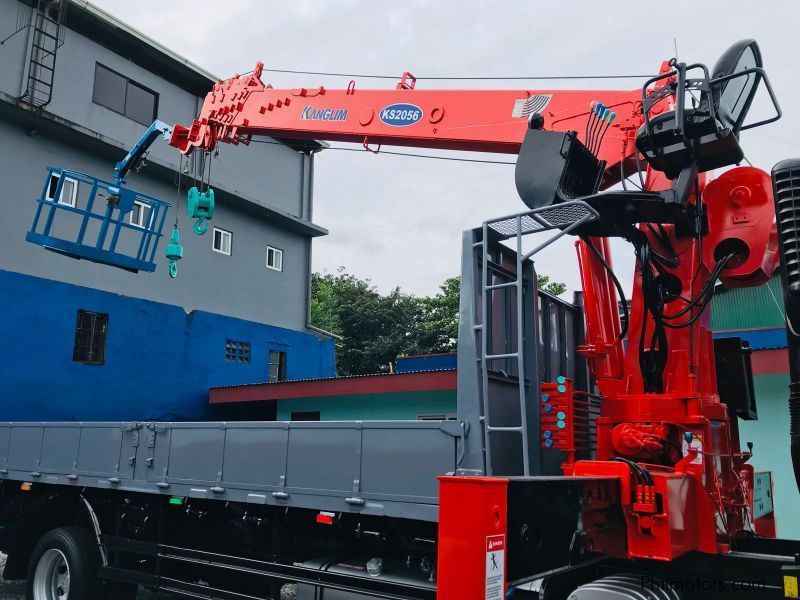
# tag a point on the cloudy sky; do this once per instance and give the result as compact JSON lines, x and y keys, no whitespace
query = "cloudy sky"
{"x":398,"y":220}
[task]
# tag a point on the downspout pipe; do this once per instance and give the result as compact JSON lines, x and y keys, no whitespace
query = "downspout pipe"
{"x":307,"y":204}
{"x":786,"y":190}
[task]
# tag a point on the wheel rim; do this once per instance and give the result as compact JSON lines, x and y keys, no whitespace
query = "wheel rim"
{"x":51,"y":579}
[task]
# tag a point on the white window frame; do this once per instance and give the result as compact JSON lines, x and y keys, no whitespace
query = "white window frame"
{"x":73,"y":200}
{"x":141,"y":205}
{"x":276,"y":252}
{"x":224,"y":232}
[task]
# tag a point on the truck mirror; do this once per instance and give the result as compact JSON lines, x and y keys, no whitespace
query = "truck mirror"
{"x":736,"y":78}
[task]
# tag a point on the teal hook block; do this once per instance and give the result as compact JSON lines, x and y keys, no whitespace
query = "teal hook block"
{"x":201,"y":207}
{"x":174,"y":253}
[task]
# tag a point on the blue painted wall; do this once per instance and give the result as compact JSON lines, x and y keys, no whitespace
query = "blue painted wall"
{"x":160,"y":361}
{"x":426,"y":362}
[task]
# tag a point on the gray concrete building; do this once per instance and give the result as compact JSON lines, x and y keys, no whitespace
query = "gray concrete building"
{"x":77,"y":89}
{"x":263,"y":192}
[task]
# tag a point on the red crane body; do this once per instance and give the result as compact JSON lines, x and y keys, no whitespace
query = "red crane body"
{"x":700,"y":493}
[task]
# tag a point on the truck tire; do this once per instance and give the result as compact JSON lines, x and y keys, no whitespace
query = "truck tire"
{"x":63,"y":566}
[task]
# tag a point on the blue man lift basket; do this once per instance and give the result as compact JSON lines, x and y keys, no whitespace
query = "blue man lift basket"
{"x":84,"y":217}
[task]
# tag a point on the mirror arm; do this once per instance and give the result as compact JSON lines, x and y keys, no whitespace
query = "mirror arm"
{"x":763,"y":75}
{"x":772,"y":96}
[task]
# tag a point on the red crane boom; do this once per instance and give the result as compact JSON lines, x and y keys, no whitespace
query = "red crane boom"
{"x":474,"y":120}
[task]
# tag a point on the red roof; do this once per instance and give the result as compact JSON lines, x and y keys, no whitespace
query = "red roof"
{"x":419,"y":381}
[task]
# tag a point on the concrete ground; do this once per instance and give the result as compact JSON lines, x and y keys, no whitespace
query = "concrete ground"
{"x":10,"y":590}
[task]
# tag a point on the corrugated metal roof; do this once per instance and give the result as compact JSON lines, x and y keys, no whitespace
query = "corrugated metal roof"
{"x":336,"y":378}
{"x":759,"y":339}
{"x":748,"y":308}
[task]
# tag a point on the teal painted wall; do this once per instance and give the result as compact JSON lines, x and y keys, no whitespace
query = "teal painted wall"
{"x":398,"y":406}
{"x":770,"y":436}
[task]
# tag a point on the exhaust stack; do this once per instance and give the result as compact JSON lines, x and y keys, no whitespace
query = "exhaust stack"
{"x":786,"y":189}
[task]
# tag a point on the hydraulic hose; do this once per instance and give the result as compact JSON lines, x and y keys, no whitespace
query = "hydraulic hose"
{"x":786,"y":190}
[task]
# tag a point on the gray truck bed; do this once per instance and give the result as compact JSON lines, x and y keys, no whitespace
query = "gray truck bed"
{"x":372,"y":467}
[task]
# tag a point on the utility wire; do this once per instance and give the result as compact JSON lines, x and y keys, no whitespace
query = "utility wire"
{"x":472,"y":160}
{"x":460,"y":78}
{"x":412,"y":155}
{"x":178,"y":201}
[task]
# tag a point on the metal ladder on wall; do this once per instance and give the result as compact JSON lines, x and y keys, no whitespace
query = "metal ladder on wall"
{"x":47,"y":20}
{"x":562,"y":218}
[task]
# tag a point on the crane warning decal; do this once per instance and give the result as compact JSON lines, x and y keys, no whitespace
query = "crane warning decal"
{"x":525,"y":107}
{"x":696,"y":444}
{"x":495,"y":567}
{"x":400,"y":115}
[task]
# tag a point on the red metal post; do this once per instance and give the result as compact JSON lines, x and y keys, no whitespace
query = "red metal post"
{"x":603,"y":348}
{"x":472,"y":553}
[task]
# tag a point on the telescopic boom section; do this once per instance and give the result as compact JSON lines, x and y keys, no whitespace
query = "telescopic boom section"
{"x":474,"y":120}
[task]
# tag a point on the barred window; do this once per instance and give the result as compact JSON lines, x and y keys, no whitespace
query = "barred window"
{"x":90,"y":338}
{"x":237,"y":352}
{"x":277,"y":366}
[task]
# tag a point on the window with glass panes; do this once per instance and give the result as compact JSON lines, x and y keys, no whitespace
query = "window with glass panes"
{"x":124,"y":96}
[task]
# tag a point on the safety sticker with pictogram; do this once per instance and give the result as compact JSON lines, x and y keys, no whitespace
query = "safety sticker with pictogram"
{"x":495,"y":567}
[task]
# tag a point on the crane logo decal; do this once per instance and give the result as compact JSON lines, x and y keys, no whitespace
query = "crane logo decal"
{"x":401,"y":115}
{"x":525,"y":107}
{"x":323,"y":114}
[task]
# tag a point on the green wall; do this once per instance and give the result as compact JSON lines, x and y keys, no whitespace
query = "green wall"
{"x":399,"y":406}
{"x":770,"y":436}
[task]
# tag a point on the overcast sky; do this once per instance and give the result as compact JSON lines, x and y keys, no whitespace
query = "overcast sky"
{"x":398,"y":220}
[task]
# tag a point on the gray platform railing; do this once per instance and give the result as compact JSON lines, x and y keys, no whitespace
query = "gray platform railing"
{"x":563,"y":219}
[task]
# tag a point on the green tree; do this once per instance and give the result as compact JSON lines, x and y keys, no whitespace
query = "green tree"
{"x":551,"y":287}
{"x":378,"y":328}
{"x":437,"y":322}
